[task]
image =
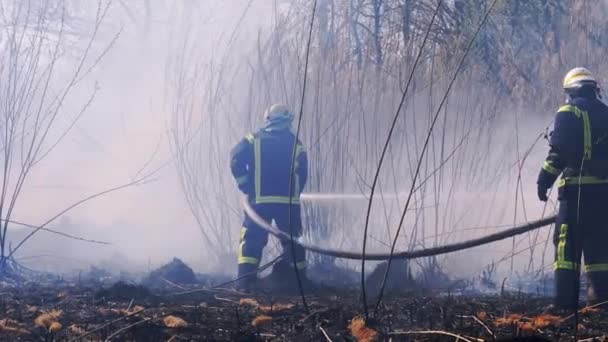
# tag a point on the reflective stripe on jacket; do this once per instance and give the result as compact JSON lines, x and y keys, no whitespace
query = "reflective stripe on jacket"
{"x":579,"y":145}
{"x":261,"y":164}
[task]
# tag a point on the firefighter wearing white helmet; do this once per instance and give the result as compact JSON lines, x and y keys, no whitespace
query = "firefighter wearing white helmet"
{"x":579,"y":78}
{"x":579,"y":154}
{"x":262,"y":166}
{"x":278,"y":112}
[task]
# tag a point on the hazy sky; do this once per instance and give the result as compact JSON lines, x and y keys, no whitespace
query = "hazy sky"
{"x":125,"y":126}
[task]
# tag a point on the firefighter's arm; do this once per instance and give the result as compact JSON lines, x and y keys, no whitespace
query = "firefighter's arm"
{"x":302,"y":162}
{"x":562,"y":142}
{"x":241,"y":161}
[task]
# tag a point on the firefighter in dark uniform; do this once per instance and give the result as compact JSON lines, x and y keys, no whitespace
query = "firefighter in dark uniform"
{"x":261,"y":164}
{"x":579,"y":152}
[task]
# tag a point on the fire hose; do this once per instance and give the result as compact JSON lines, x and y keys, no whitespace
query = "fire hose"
{"x":426,"y":252}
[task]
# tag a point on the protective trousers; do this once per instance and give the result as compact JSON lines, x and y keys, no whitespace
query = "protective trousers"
{"x":581,"y":229}
{"x":254,"y":239}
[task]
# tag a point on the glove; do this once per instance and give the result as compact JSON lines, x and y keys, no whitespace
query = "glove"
{"x":544,"y":182}
{"x":542,"y":193}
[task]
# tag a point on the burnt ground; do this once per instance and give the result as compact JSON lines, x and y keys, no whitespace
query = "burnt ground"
{"x":128,"y":312}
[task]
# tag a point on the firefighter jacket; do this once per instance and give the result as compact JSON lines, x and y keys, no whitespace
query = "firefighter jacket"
{"x":261,"y":164}
{"x":578,"y":147}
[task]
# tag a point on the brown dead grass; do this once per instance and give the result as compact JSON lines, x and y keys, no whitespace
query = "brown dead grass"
{"x":9,"y":326}
{"x":76,"y":330}
{"x":278,"y":307}
{"x":526,"y":327}
{"x":507,"y":321}
{"x":590,"y":310}
{"x":55,"y":327}
{"x":134,"y":309}
{"x":544,"y":321}
{"x":529,"y":324}
{"x":249,"y":302}
{"x":359,"y":330}
{"x":46,"y":319}
{"x":174,"y":322}
{"x":261,"y":320}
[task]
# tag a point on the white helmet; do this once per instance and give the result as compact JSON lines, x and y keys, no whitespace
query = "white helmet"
{"x":578,"y":77}
{"x":277,"y":112}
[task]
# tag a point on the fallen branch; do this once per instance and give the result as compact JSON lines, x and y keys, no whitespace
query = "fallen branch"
{"x":325,"y":334}
{"x":603,"y":338}
{"x":219,"y":286}
{"x":316,"y":312}
{"x":585,"y":308}
{"x":106,"y":325}
{"x":173,"y":284}
{"x":482,"y":324}
{"x":27,"y":225}
{"x":432,"y":332}
{"x":127,"y":328}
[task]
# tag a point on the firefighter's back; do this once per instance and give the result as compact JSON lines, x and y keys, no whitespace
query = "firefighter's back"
{"x":275,"y":167}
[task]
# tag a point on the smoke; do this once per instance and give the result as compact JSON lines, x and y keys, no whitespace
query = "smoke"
{"x":203,"y":72}
{"x":126,"y":128}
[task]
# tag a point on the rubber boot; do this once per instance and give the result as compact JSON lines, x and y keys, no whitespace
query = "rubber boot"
{"x":566,"y":290}
{"x":283,"y":278}
{"x":247,"y":274}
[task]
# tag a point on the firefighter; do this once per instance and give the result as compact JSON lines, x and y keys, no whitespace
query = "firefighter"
{"x":261,"y":164}
{"x":579,"y":152}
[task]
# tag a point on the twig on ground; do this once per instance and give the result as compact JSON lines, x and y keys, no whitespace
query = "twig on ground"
{"x":316,"y":312}
{"x":107,"y":324}
{"x":127,"y":328}
{"x":226,"y":300}
{"x":173,"y":284}
{"x":432,"y":332}
{"x":585,"y":308}
{"x":595,"y":339}
{"x":482,"y":324}
{"x":219,"y":286}
{"x":325,"y":334}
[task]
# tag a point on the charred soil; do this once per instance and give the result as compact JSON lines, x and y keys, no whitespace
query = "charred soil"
{"x":62,"y":311}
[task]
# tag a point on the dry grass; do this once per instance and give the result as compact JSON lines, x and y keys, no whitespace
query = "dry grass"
{"x":529,"y":324}
{"x":249,"y":302}
{"x":55,"y":327}
{"x":359,"y":330}
{"x":589,"y":310}
{"x":278,"y":307}
{"x":509,"y":320}
{"x":132,"y":310}
{"x":526,"y":326}
{"x":9,"y":326}
{"x":544,"y":321}
{"x":261,"y":320}
{"x":175,"y":322}
{"x":76,"y":330}
{"x":46,"y":319}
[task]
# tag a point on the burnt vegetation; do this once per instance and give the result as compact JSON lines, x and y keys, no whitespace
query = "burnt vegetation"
{"x":441,"y":85}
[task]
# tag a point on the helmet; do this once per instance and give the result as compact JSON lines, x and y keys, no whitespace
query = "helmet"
{"x":578,"y":77}
{"x":278,"y":112}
